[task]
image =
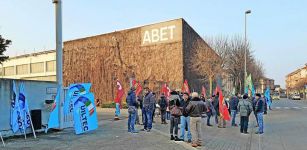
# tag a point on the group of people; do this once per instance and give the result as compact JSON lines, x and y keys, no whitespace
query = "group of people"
{"x":189,"y":110}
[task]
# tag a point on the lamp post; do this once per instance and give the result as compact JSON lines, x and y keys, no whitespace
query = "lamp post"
{"x":59,"y":56}
{"x":245,"y":47}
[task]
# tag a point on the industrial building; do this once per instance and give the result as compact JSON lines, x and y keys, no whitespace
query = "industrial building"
{"x":152,"y":54}
{"x":36,"y":66}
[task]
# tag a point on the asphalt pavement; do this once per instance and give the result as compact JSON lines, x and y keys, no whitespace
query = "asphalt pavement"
{"x":285,"y":129}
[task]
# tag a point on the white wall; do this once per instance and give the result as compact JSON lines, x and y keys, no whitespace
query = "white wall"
{"x":36,"y":95}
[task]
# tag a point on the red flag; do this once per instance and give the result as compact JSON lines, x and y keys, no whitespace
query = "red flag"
{"x":120,"y":92}
{"x":185,"y":87}
{"x":203,"y":91}
{"x":222,"y":106}
{"x":166,"y":90}
{"x":137,"y":86}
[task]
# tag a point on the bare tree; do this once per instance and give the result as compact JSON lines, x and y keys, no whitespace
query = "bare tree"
{"x":207,"y":64}
{"x":232,"y":51}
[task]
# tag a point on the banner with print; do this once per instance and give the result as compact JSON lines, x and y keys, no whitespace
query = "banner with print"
{"x":54,"y":121}
{"x":85,"y":116}
{"x":74,"y":91}
{"x":24,"y":107}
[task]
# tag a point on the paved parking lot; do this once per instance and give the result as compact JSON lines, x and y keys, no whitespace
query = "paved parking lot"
{"x":285,"y":129}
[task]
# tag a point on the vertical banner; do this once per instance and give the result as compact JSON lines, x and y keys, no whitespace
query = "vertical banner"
{"x":23,"y":104}
{"x":54,"y":121}
{"x":85,"y":115}
{"x":24,"y":107}
{"x":16,"y":122}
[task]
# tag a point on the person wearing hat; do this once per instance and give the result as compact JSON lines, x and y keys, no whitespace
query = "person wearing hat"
{"x":259,"y":110}
{"x":245,"y":108}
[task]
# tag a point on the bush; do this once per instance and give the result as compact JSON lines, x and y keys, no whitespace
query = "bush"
{"x":112,"y":105}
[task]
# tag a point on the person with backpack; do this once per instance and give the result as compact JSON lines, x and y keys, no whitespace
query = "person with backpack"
{"x":132,"y":104}
{"x":176,"y":112}
{"x":185,"y":118}
{"x":163,"y":106}
{"x":245,"y":108}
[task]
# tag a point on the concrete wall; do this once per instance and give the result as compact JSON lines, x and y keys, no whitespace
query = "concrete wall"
{"x":151,"y":54}
{"x":36,"y":95}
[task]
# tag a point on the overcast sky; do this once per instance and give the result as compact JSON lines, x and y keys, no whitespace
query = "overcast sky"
{"x":277,"y":29}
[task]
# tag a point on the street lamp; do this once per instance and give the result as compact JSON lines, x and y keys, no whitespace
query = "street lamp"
{"x":245,"y":49}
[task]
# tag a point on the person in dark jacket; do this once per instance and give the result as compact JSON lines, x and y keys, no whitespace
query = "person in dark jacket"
{"x":154,"y":111}
{"x":210,"y":109}
{"x":259,"y":109}
{"x":139,"y":106}
{"x":148,"y":108}
{"x":132,"y":104}
{"x":195,"y":109}
{"x":254,"y":101}
{"x":215,"y":104}
{"x":174,"y":104}
{"x":163,"y":106}
{"x":234,"y":101}
{"x":185,"y":118}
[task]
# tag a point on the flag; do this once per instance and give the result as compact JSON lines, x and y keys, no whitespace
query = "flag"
{"x":203,"y":91}
{"x":54,"y":121}
{"x":120,"y":92}
{"x":185,"y":87}
{"x":137,"y":86}
{"x":267,"y":94}
{"x":75,"y":90}
{"x":166,"y":90}
{"x":249,"y":85}
{"x":15,"y":113}
{"x":223,"y":109}
{"x":85,"y":115}
{"x":24,"y":107}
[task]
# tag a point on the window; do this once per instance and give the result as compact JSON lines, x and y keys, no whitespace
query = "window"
{"x":37,"y":67}
{"x":1,"y":72}
{"x":50,"y":66}
{"x":22,"y":69}
{"x":8,"y":71}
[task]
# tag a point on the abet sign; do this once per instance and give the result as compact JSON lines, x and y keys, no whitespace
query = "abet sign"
{"x":161,"y":33}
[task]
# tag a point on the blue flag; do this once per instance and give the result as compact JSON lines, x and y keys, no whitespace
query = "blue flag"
{"x":85,"y":116}
{"x":268,"y":96}
{"x":15,"y":110}
{"x":75,"y":90}
{"x":54,"y":121}
{"x":23,"y":103}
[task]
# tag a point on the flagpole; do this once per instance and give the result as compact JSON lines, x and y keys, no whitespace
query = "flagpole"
{"x":32,"y":124}
{"x":23,"y":125}
{"x":2,"y":140}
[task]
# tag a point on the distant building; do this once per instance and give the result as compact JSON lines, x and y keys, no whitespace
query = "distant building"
{"x":263,"y":83}
{"x":296,"y":82}
{"x":35,"y":66}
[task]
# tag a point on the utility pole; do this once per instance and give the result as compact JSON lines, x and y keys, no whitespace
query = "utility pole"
{"x":59,"y":56}
{"x":245,"y":48}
